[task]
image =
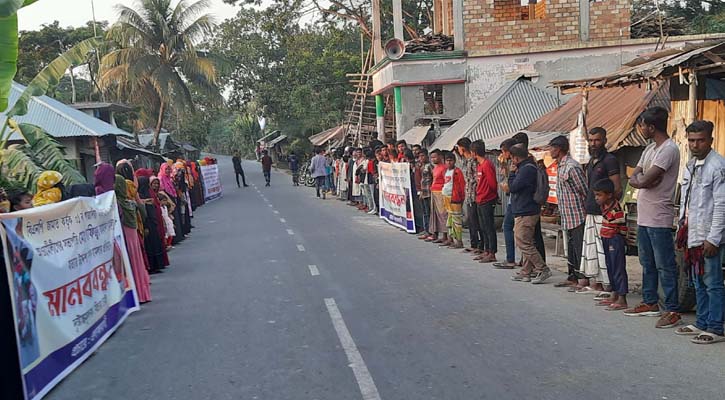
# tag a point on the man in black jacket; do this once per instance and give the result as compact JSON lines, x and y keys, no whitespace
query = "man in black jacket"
{"x":522,"y":186}
{"x":238,"y":170}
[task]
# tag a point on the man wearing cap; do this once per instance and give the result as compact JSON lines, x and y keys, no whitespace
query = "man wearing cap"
{"x":571,"y":192}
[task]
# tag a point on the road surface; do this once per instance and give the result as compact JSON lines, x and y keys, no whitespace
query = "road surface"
{"x":278,"y":295}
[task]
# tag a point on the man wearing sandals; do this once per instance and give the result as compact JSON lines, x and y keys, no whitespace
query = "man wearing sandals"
{"x":702,"y":232}
{"x":656,"y":178}
{"x":571,"y":191}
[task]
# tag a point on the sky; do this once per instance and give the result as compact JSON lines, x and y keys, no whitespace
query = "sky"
{"x":78,"y":12}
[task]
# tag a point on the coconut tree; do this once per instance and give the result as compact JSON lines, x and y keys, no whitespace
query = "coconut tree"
{"x":157,"y":60}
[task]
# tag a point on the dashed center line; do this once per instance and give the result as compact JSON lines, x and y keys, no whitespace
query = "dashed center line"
{"x":275,"y":211}
{"x":269,"y":205}
{"x":290,"y":232}
{"x":300,"y":247}
{"x":364,"y":380}
{"x":282,"y":220}
{"x":313,"y":270}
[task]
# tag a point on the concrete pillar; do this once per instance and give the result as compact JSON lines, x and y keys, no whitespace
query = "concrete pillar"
{"x":584,"y":20}
{"x":398,"y":19}
{"x":398,"y":112}
{"x":377,"y":40}
{"x":380,"y":116}
{"x":458,"y":36}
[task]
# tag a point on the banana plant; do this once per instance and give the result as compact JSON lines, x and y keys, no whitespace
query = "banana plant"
{"x":9,"y":45}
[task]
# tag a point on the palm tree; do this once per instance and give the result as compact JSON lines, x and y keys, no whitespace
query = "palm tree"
{"x":156,"y":59}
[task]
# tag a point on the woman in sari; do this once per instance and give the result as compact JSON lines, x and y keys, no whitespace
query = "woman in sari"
{"x":128,"y":210}
{"x":182,"y":186}
{"x":154,"y":231}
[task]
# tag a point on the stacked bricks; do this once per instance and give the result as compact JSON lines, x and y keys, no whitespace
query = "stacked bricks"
{"x":497,"y":25}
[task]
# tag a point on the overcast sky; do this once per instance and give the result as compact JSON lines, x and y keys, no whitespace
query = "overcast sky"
{"x":78,"y":12}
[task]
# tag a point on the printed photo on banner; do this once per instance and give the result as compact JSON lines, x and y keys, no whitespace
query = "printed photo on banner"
{"x":71,"y":284}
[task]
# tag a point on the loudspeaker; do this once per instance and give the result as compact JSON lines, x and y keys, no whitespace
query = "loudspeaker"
{"x":394,"y":49}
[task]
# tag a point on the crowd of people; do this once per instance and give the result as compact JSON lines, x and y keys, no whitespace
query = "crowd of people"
{"x":155,"y":207}
{"x":450,"y":185}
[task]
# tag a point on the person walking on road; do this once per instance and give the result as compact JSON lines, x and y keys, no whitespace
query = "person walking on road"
{"x":656,"y":178}
{"x":266,"y":166}
{"x":238,"y":170}
{"x":294,"y":166}
{"x":702,"y":232}
{"x":318,"y":168}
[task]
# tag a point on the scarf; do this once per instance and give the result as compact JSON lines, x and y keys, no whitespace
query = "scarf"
{"x":126,"y":207}
{"x":146,"y":192}
{"x":167,"y":185}
{"x":47,"y":192}
{"x":694,"y":257}
{"x":104,"y":178}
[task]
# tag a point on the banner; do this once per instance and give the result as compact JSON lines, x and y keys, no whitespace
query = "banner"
{"x":396,"y":200}
{"x":70,"y":282}
{"x":212,"y":183}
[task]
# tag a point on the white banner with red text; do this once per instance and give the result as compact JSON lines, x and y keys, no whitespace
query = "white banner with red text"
{"x":212,"y":183}
{"x":70,"y":282}
{"x":396,"y":199}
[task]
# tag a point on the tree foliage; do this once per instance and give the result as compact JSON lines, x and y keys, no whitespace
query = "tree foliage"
{"x":295,"y":74}
{"x":678,"y":17}
{"x":156,"y":60}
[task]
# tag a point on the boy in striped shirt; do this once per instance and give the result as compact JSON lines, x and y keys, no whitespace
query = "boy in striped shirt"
{"x":614,"y":227}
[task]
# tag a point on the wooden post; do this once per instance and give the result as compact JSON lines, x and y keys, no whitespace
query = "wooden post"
{"x":692,"y":99}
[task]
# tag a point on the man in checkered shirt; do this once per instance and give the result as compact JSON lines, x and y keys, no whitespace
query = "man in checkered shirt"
{"x":571,"y":193}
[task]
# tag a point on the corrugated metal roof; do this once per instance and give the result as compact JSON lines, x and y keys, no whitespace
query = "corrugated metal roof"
{"x":323,"y":137}
{"x":126,"y":143}
{"x":614,"y":109}
{"x":276,"y":140}
{"x":265,"y":137}
{"x":415,"y":135}
{"x":652,"y":67}
{"x":511,"y":108}
{"x":58,"y":119}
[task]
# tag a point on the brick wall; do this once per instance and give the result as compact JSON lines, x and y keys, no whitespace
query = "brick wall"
{"x":498,"y":24}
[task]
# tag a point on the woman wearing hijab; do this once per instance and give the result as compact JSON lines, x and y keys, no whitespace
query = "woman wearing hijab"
{"x":167,"y":209}
{"x":154,"y":227}
{"x":183,"y":190}
{"x":128,"y":209}
{"x":169,"y":189}
{"x":104,"y":178}
{"x":50,"y":190}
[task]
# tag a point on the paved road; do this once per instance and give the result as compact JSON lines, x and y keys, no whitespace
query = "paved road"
{"x":240,"y":315}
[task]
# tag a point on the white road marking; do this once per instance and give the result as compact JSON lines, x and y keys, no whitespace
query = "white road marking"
{"x":270,"y":206}
{"x":364,"y":380}
{"x":313,"y":270}
{"x":282,"y":220}
{"x":275,"y":211}
{"x":290,"y":232}
{"x":300,"y":247}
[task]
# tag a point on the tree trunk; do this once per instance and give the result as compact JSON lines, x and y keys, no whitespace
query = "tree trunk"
{"x":159,"y":123}
{"x":72,"y":85}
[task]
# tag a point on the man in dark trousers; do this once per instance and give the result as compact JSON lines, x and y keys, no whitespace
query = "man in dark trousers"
{"x":266,"y":166}
{"x":238,"y":170}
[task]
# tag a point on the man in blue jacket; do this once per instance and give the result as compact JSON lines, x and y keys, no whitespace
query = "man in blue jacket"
{"x":522,"y":186}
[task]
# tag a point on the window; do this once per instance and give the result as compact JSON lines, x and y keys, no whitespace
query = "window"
{"x":433,"y":99}
{"x":519,"y":10}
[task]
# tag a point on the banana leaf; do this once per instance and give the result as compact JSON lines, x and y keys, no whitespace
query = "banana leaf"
{"x":10,"y":7}
{"x":51,"y":74}
{"x":8,"y":56}
{"x":20,"y":167}
{"x":49,"y":153}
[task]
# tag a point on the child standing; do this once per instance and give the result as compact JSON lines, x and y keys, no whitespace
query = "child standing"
{"x":454,"y":193}
{"x":614,"y":227}
{"x":426,"y":178}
